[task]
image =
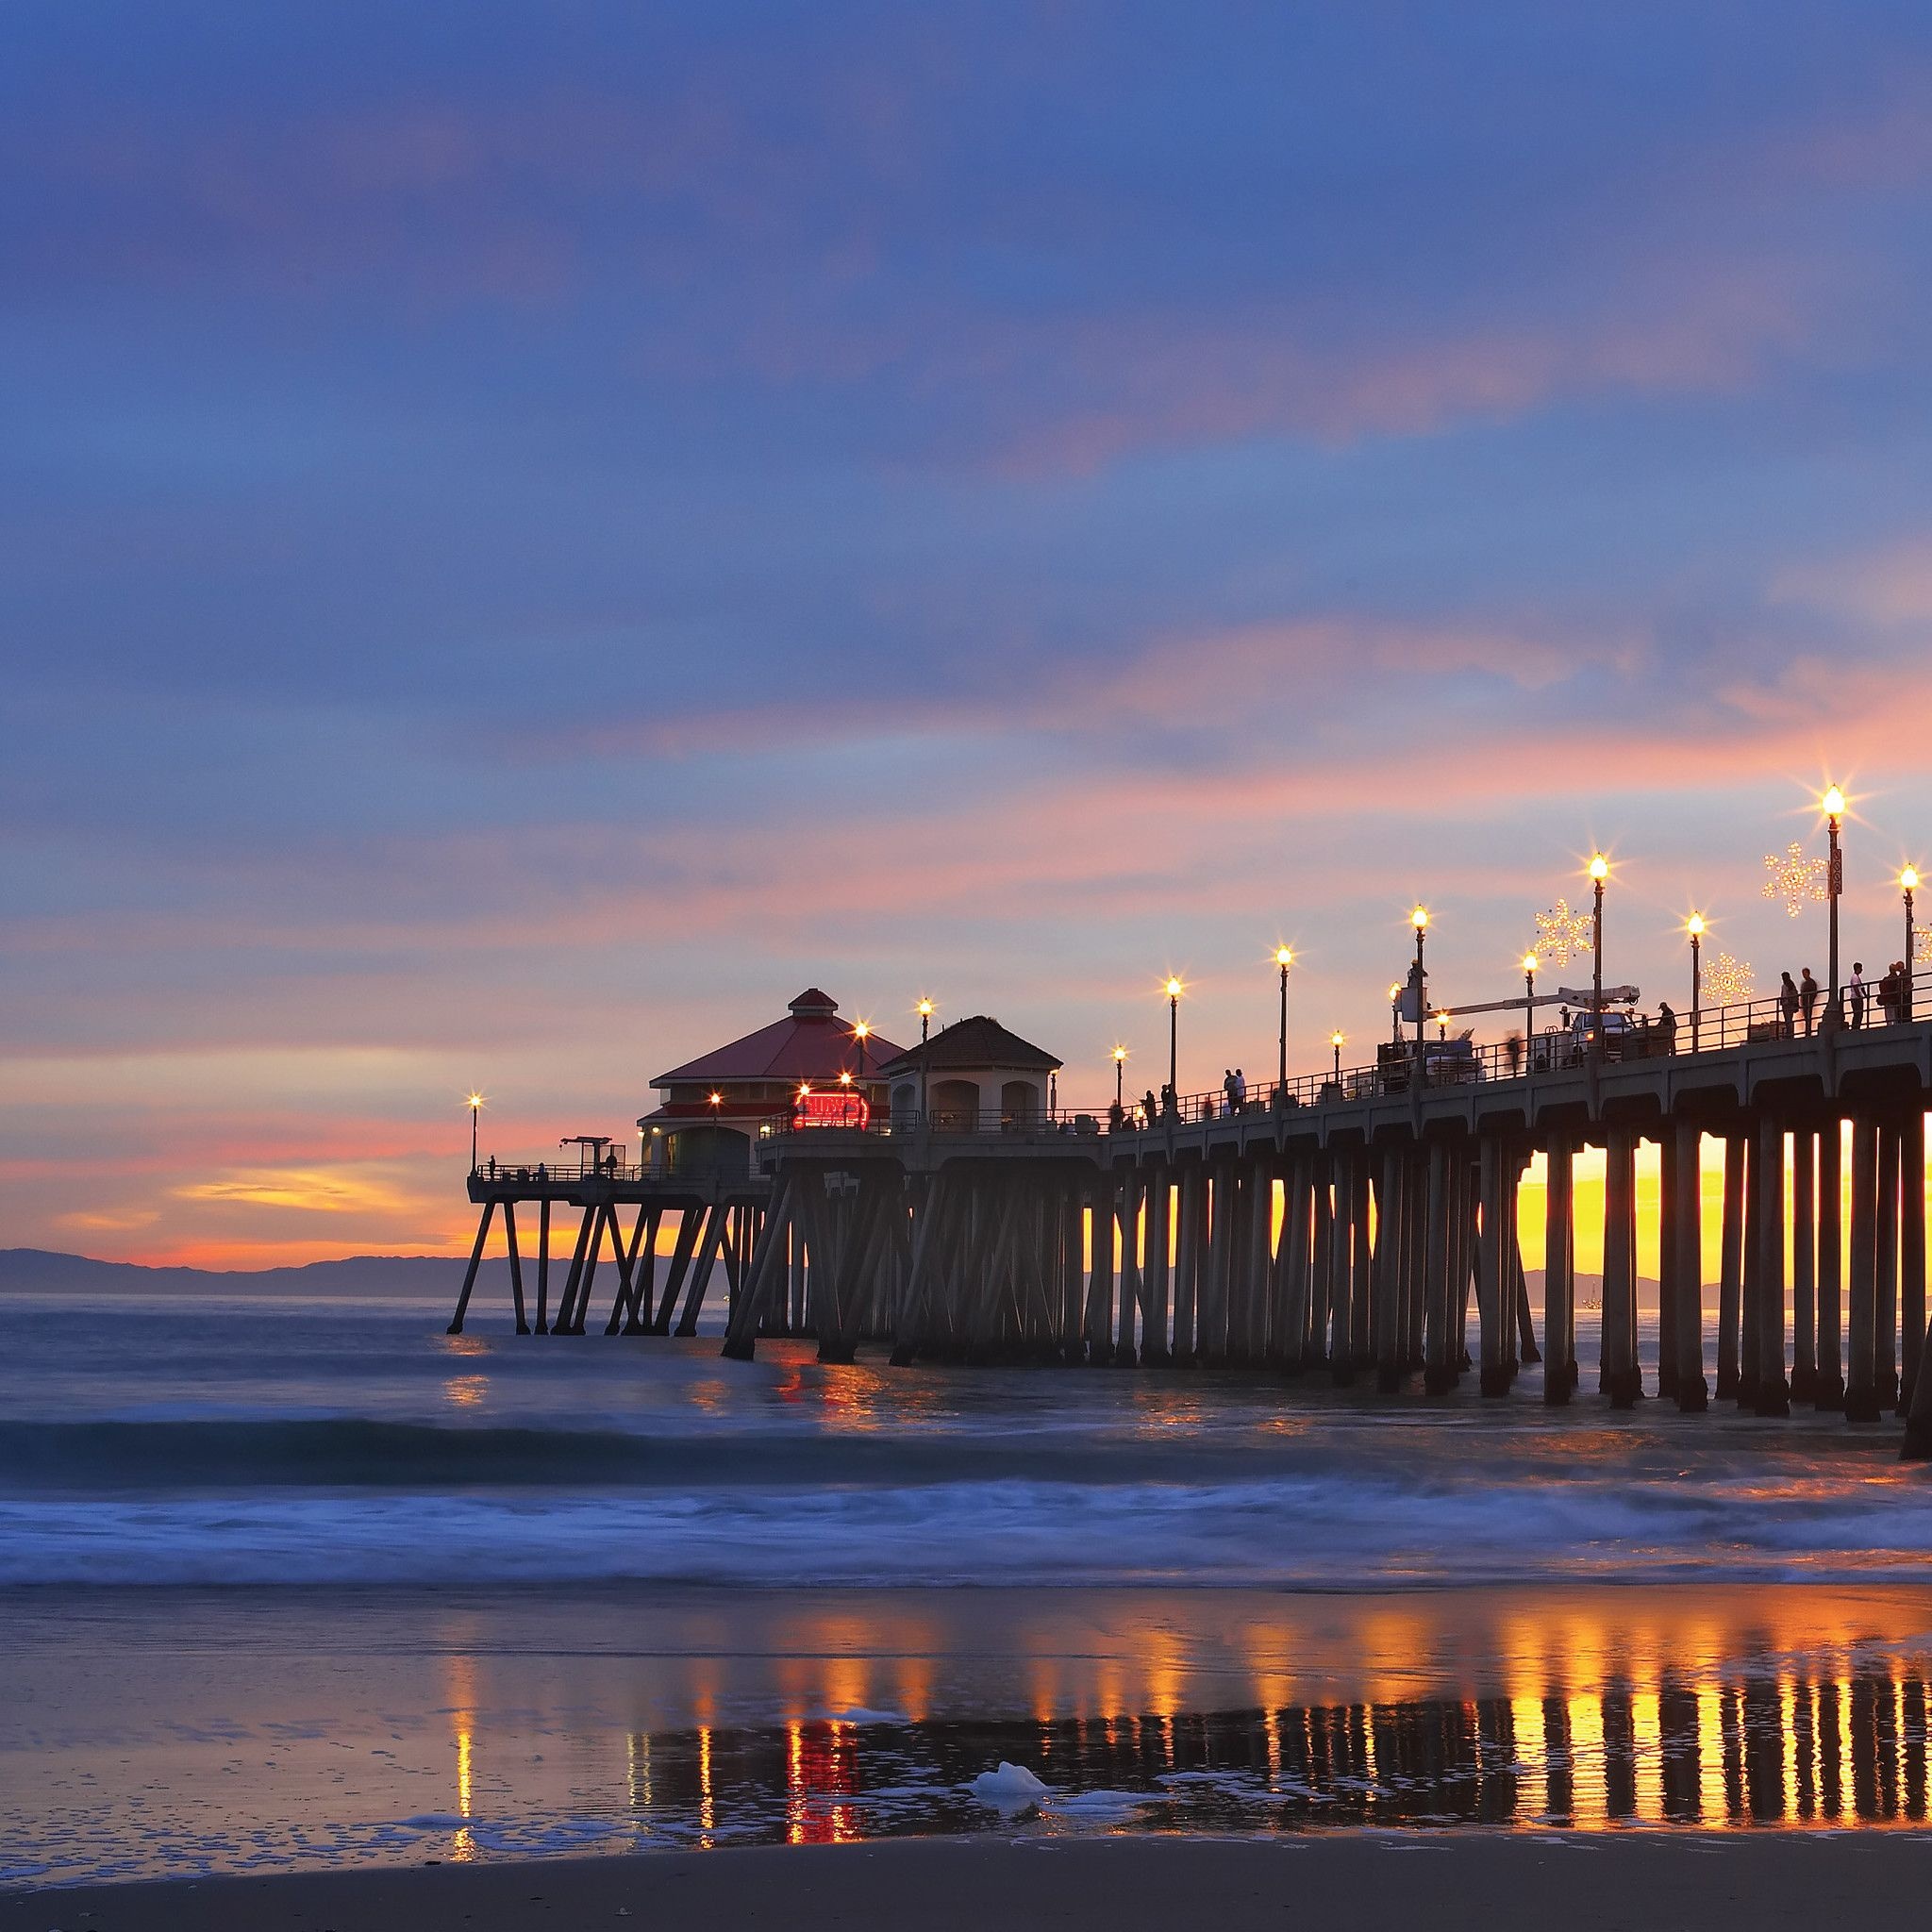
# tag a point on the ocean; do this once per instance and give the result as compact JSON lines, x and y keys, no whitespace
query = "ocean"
{"x":306,"y":1583}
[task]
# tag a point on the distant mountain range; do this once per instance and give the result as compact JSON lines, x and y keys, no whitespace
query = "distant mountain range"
{"x":37,"y":1271}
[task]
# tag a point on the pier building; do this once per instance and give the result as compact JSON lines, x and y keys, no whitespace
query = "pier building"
{"x":711,"y":1110}
{"x":974,"y":1074}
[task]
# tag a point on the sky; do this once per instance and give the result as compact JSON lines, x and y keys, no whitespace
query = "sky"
{"x":530,"y":534}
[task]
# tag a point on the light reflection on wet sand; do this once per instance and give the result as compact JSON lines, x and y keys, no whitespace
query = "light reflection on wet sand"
{"x":170,"y":1732}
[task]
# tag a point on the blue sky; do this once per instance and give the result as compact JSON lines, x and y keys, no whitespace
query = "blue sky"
{"x":532,"y":533}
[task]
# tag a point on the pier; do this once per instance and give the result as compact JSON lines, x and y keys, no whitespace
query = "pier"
{"x":1359,"y":1224}
{"x":713,"y":1221}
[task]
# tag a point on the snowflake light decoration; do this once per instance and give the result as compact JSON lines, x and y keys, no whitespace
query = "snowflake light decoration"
{"x":1561,"y":934}
{"x":1728,"y":982}
{"x":1794,"y":878}
{"x":1922,"y":946}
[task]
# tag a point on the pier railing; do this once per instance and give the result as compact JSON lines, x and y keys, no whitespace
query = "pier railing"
{"x":1451,"y":1060}
{"x":1447,"y":1059}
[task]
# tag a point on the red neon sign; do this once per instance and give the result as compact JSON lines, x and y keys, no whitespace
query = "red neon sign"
{"x":838,"y":1108}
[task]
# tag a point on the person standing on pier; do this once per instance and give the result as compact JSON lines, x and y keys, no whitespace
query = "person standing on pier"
{"x":1807,"y":997}
{"x":1787,"y":1003}
{"x":1856,"y":990}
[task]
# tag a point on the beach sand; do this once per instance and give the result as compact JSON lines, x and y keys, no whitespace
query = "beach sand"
{"x":158,"y":1735}
{"x":1441,"y":1882}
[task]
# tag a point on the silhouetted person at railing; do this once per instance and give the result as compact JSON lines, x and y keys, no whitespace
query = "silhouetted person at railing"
{"x":493,"y":1167}
{"x":1808,"y":998}
{"x":1116,"y":1116}
{"x":1888,"y":994}
{"x":1147,"y":1108}
{"x":1170,"y":1100}
{"x":1666,"y":1028}
{"x":1856,"y":993}
{"x":1787,"y":1003}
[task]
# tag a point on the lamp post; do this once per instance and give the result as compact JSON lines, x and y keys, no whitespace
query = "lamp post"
{"x":861,"y":1032}
{"x":1694,"y":926}
{"x":1419,"y":920}
{"x":924,"y":1035}
{"x":1395,"y":1011}
{"x":1174,"y":1035}
{"x":1335,"y":1041}
{"x":475,"y":1103}
{"x":1833,"y":803}
{"x":1120,"y":1079}
{"x":1599,"y":872}
{"x":1284,"y":958}
{"x":1908,"y":884}
{"x":1528,"y":1006}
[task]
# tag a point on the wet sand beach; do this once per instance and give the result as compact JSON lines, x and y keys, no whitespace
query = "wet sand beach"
{"x":190,"y":1734}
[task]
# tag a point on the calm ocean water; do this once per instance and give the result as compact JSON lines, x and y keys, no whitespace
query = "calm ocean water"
{"x":290,"y":1585}
{"x":281,"y":1445}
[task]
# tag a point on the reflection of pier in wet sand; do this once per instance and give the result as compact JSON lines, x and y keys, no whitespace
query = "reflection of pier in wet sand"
{"x":1785,"y":1748}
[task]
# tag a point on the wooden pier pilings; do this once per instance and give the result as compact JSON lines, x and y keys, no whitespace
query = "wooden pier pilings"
{"x":1353,"y":1236}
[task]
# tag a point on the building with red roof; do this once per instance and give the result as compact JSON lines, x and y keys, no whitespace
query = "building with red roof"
{"x":711,"y":1107}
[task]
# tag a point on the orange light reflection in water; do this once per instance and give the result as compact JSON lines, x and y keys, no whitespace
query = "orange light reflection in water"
{"x":1614,"y":1710}
{"x":821,"y":1760}
{"x":462,"y":1689}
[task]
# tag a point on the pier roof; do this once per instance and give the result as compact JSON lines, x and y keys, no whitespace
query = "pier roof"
{"x":811,"y":1044}
{"x":977,"y":1041}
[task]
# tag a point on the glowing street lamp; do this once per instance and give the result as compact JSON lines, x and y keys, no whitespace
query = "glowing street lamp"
{"x":1694,"y":925}
{"x":1120,"y":1077}
{"x":1908,"y":884}
{"x":1833,"y":806}
{"x":475,"y":1103}
{"x":1599,"y":872}
{"x":1528,"y":1004}
{"x":1284,"y":958}
{"x":1395,"y":1009}
{"x":1335,"y":1040}
{"x":861,"y":1032}
{"x":1419,"y":920}
{"x":1174,"y":991}
{"x":924,"y":1035}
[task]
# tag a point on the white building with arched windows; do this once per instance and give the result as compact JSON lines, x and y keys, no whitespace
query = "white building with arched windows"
{"x":977,"y":1076}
